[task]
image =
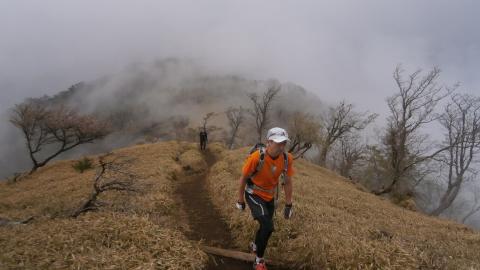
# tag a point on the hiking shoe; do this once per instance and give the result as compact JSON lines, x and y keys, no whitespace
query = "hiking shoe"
{"x":259,"y":265}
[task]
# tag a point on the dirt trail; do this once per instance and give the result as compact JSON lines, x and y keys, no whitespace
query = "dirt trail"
{"x":205,"y":220}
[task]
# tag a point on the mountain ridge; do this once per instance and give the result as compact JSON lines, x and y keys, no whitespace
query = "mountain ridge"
{"x":153,"y":100}
{"x":336,"y":224}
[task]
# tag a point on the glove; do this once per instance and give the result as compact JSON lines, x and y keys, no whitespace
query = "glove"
{"x":240,"y":206}
{"x":288,"y":211}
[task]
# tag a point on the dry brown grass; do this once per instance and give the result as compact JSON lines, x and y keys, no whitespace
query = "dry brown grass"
{"x":338,"y":226}
{"x":97,"y":241}
{"x":139,"y":230}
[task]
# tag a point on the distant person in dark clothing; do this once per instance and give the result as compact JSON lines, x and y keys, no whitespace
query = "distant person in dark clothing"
{"x":203,"y":139}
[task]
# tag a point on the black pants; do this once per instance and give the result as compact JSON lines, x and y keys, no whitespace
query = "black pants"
{"x":203,"y":145}
{"x":262,"y":211}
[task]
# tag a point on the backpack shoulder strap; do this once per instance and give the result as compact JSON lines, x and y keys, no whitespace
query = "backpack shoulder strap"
{"x":285,"y":168}
{"x":261,"y":161}
{"x":285,"y":162}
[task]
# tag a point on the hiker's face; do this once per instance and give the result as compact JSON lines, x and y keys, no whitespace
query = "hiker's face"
{"x":276,"y":149}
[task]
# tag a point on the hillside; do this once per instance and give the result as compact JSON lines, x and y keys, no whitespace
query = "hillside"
{"x":141,"y":230}
{"x":336,"y":224}
{"x":164,"y":100}
{"x":339,"y":226}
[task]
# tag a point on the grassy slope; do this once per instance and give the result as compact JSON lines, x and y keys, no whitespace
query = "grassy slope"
{"x":137,"y":230}
{"x":338,"y":226}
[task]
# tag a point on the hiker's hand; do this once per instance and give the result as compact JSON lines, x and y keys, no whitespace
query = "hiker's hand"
{"x":288,"y":211}
{"x":240,"y":206}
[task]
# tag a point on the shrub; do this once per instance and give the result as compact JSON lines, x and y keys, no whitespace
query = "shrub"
{"x":83,"y":165}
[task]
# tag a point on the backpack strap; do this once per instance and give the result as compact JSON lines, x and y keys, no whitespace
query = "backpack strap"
{"x":250,"y":185}
{"x":260,"y":163}
{"x":285,"y":168}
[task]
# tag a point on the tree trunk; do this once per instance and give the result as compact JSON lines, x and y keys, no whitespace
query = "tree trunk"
{"x":232,"y":138}
{"x":323,"y":156}
{"x":88,"y":205}
{"x":446,"y":200}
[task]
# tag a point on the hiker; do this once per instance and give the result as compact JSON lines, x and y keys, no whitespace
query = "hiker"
{"x":203,"y":139}
{"x":259,"y":187}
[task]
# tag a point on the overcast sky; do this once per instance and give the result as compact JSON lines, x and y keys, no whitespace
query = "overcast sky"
{"x":336,"y":49}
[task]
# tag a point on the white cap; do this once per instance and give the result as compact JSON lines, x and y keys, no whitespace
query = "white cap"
{"x":277,"y":135}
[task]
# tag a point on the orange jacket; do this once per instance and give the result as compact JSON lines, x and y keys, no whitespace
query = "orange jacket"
{"x":267,"y":177}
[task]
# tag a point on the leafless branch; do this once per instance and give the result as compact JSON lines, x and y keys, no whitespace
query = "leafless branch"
{"x":59,"y":126}
{"x":235,"y":117}
{"x":262,"y":107}
{"x":206,"y":118}
{"x":461,"y":120}
{"x":305,"y":131}
{"x":411,"y":108}
{"x":111,"y":175}
{"x":6,"y":222}
{"x":340,"y":121}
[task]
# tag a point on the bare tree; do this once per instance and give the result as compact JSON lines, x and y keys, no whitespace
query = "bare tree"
{"x":373,"y":167}
{"x":340,"y":121}
{"x":304,"y":132}
{"x":112,"y":175}
{"x":235,"y":117}
{"x":262,"y":107}
{"x":411,"y":109}
{"x":461,"y":120}
{"x":475,"y":206}
{"x":206,"y":118}
{"x":351,"y":151}
{"x":58,"y":127}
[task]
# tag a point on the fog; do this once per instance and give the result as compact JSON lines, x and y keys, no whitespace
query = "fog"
{"x":334,"y":49}
{"x":345,"y":49}
{"x":150,"y":101}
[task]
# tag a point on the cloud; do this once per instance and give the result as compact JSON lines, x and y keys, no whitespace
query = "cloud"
{"x":338,"y":50}
{"x":145,"y":99}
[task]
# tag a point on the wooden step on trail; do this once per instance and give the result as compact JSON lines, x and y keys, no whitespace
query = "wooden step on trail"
{"x":234,"y":254}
